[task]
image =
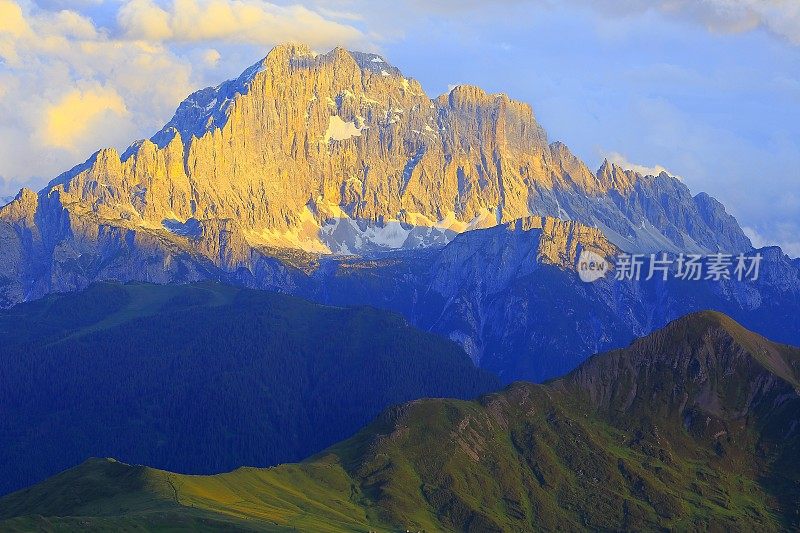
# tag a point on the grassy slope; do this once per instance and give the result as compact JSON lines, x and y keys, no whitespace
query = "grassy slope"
{"x":531,"y":456}
{"x":112,"y":494}
{"x":439,"y":465}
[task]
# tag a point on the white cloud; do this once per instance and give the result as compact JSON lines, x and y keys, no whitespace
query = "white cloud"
{"x":143,"y":19}
{"x":67,"y":88}
{"x":237,"y":21}
{"x":621,"y":161}
{"x":787,"y":236}
{"x":12,"y":27}
{"x":211,"y":57}
{"x":11,"y":19}
{"x":779,"y":17}
{"x":67,"y":121}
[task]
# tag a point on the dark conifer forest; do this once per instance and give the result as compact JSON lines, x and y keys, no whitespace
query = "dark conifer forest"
{"x":204,"y":378}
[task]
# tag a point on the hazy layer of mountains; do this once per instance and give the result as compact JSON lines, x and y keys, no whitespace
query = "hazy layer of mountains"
{"x":695,"y":427}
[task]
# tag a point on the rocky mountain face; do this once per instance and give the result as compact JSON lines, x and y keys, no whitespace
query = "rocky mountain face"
{"x":303,"y":143}
{"x":341,"y":152}
{"x":692,"y":428}
{"x":335,"y":177}
{"x":510,"y":295}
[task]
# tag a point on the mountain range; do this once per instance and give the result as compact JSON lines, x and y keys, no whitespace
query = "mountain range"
{"x":694,"y":427}
{"x":340,"y":152}
{"x":336,"y":178}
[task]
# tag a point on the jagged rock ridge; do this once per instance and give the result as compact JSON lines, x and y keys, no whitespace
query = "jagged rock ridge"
{"x":259,"y":156}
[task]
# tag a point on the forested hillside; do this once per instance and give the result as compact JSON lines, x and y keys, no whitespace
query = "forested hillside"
{"x":203,"y":378}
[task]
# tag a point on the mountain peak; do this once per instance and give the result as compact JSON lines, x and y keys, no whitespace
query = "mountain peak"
{"x":703,"y":364}
{"x":694,"y":327}
{"x":475,"y":94}
{"x":613,"y":176}
{"x":301,"y":142}
{"x":366,"y":61}
{"x":697,"y":327}
{"x":375,"y":64}
{"x":21,"y":208}
{"x":290,"y":49}
{"x":708,"y":319}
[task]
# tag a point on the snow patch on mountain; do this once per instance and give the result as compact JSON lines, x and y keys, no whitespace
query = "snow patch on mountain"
{"x":339,"y":130}
{"x":347,"y":236}
{"x":325,"y":228}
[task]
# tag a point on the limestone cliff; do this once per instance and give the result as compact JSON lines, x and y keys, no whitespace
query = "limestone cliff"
{"x":302,"y":136}
{"x":336,"y":152}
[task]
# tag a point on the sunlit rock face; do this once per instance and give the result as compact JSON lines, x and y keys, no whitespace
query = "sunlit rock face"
{"x":336,"y":153}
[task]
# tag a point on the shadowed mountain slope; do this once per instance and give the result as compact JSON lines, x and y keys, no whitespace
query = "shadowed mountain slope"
{"x":204,"y":378}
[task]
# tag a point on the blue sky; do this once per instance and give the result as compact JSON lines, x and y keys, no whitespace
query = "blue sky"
{"x":708,"y":89}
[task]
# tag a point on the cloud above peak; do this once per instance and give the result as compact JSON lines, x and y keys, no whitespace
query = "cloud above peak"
{"x":233,"y":21}
{"x":623,"y":162}
{"x":80,"y":75}
{"x":67,"y":120}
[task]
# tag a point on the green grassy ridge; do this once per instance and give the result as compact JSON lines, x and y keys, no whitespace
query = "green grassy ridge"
{"x":779,"y":359}
{"x":503,"y":470}
{"x":531,"y":457}
{"x":113,"y":494}
{"x":704,"y":366}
